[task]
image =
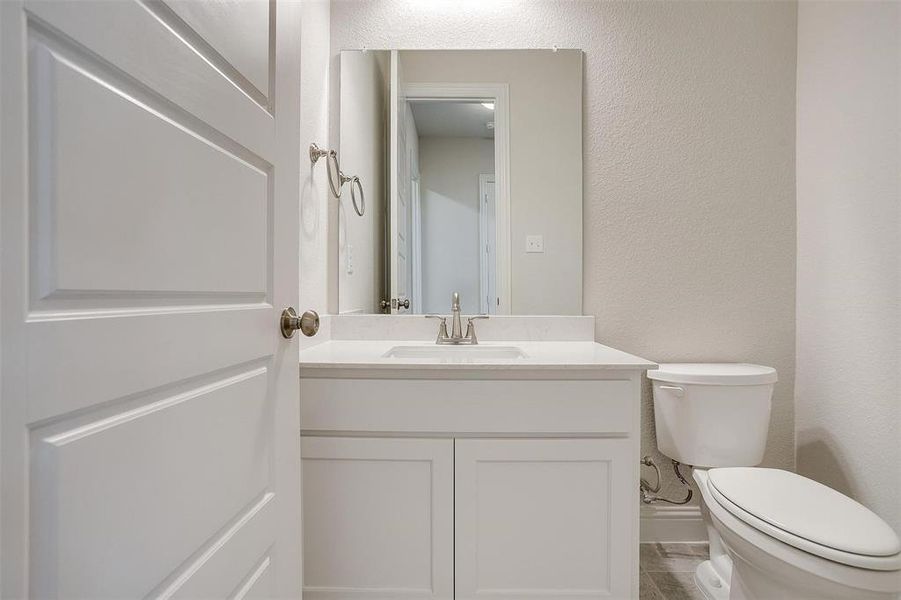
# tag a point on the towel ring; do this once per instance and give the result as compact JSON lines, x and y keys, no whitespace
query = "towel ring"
{"x":336,"y":178}
{"x":316,"y":152}
{"x":361,"y":207}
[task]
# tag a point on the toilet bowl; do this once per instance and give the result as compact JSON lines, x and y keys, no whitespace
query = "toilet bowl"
{"x":773,"y":535}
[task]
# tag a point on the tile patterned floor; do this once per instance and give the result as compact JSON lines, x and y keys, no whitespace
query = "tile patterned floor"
{"x":667,"y":571}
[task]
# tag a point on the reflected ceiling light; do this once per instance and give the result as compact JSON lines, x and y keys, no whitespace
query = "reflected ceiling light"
{"x":488,"y":105}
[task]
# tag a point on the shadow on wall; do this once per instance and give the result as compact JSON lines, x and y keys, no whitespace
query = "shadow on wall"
{"x":309,"y":205}
{"x":830,"y":468}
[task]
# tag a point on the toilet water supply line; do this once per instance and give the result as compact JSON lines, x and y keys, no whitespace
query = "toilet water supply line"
{"x":648,"y":491}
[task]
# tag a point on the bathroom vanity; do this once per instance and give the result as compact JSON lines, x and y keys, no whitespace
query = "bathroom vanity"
{"x":504,"y":469}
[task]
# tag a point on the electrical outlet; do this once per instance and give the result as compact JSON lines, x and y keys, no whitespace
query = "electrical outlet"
{"x":534,"y":243}
{"x":349,"y":259}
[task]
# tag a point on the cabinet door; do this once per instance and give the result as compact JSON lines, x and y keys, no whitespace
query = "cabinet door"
{"x":543,"y":518}
{"x":378,"y":515}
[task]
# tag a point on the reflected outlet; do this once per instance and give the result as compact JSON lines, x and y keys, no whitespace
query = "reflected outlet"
{"x":534,"y":243}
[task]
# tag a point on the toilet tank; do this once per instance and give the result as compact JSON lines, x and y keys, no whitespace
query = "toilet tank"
{"x":713,"y":414}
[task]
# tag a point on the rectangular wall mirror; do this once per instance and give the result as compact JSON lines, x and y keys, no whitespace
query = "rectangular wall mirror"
{"x":470,"y":167}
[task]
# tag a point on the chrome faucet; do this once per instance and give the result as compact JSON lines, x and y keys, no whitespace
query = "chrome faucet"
{"x":456,"y":336}
{"x":456,"y":330}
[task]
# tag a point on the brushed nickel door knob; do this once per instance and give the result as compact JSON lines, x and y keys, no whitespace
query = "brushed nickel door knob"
{"x":308,"y":323}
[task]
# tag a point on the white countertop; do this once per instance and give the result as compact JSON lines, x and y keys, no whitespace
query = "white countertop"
{"x":370,"y":355}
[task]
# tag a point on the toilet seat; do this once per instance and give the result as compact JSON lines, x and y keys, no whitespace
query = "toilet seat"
{"x":807,"y":515}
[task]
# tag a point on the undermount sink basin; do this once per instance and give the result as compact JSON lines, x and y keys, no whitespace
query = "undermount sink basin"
{"x":456,"y":353}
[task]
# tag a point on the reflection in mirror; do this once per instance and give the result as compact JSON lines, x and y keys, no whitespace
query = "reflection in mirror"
{"x":453,"y":196}
{"x":471,"y":164}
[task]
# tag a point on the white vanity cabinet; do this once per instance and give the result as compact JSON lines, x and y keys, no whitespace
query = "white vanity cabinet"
{"x":378,"y":516}
{"x":470,"y":482}
{"x":466,"y":518}
{"x":542,"y":518}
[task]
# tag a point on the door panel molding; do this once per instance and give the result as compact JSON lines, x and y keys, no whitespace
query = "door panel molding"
{"x":125,"y":33}
{"x":205,"y":453}
{"x":186,"y":19}
{"x":69,"y":254}
{"x":218,"y":562}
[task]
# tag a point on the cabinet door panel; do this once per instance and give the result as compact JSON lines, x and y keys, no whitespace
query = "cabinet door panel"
{"x":377,"y":518}
{"x":543,"y":519}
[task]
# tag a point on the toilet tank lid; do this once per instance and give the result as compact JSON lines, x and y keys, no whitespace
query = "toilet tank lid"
{"x":714,"y":373}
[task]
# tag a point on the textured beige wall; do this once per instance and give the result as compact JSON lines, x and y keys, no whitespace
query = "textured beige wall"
{"x":688,"y":178}
{"x":849,"y":299}
{"x":318,"y":268}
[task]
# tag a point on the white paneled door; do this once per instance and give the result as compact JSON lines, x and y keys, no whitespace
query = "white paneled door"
{"x":149,"y":184}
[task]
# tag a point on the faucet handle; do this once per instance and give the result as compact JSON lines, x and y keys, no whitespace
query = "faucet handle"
{"x":442,"y":328}
{"x":471,"y":328}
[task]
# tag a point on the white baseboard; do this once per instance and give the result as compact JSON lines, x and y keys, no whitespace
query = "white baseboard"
{"x":672,"y":524}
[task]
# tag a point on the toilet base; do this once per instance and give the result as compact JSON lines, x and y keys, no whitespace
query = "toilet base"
{"x":710,"y":583}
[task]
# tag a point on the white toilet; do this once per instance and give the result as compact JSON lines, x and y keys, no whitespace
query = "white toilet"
{"x":774,"y":535}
